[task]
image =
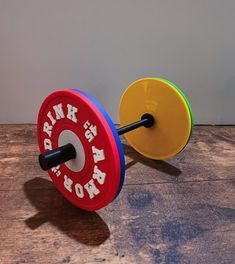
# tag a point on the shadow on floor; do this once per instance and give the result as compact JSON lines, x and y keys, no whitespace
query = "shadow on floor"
{"x":159,"y":165}
{"x":85,"y":227}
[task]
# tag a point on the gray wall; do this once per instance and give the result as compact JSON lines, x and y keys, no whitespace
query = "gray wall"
{"x":102,"y":46}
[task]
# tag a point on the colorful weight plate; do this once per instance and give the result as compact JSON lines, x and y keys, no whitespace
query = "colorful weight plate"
{"x":91,"y":180}
{"x":115,"y":133}
{"x":171,"y":111}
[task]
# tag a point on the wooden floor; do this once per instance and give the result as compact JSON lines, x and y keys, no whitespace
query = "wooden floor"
{"x":179,"y":211}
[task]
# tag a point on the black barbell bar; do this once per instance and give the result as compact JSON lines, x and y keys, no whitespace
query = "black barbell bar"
{"x":67,"y":152}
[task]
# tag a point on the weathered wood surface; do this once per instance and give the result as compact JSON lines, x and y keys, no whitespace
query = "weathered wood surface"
{"x":179,"y":211}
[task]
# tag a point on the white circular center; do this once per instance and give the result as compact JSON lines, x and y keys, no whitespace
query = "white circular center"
{"x":67,"y":136}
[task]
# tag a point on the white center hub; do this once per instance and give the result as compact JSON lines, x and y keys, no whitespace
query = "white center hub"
{"x":67,"y":136}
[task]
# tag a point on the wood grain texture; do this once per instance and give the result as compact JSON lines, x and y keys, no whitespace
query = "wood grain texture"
{"x":177,"y":211}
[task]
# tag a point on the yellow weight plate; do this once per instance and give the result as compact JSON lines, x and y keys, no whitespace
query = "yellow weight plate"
{"x":171,"y":111}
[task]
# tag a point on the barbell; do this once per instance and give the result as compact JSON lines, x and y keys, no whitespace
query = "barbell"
{"x":80,"y":146}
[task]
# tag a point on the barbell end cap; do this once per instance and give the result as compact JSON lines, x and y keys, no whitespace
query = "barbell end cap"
{"x":150,"y":119}
{"x":42,"y":162}
{"x":57,"y":156}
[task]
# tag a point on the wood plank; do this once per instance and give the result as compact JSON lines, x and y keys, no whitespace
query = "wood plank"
{"x":209,"y":156}
{"x":157,"y":223}
{"x":179,"y":211}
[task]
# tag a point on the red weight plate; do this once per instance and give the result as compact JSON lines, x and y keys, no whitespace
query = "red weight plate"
{"x":91,"y":180}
